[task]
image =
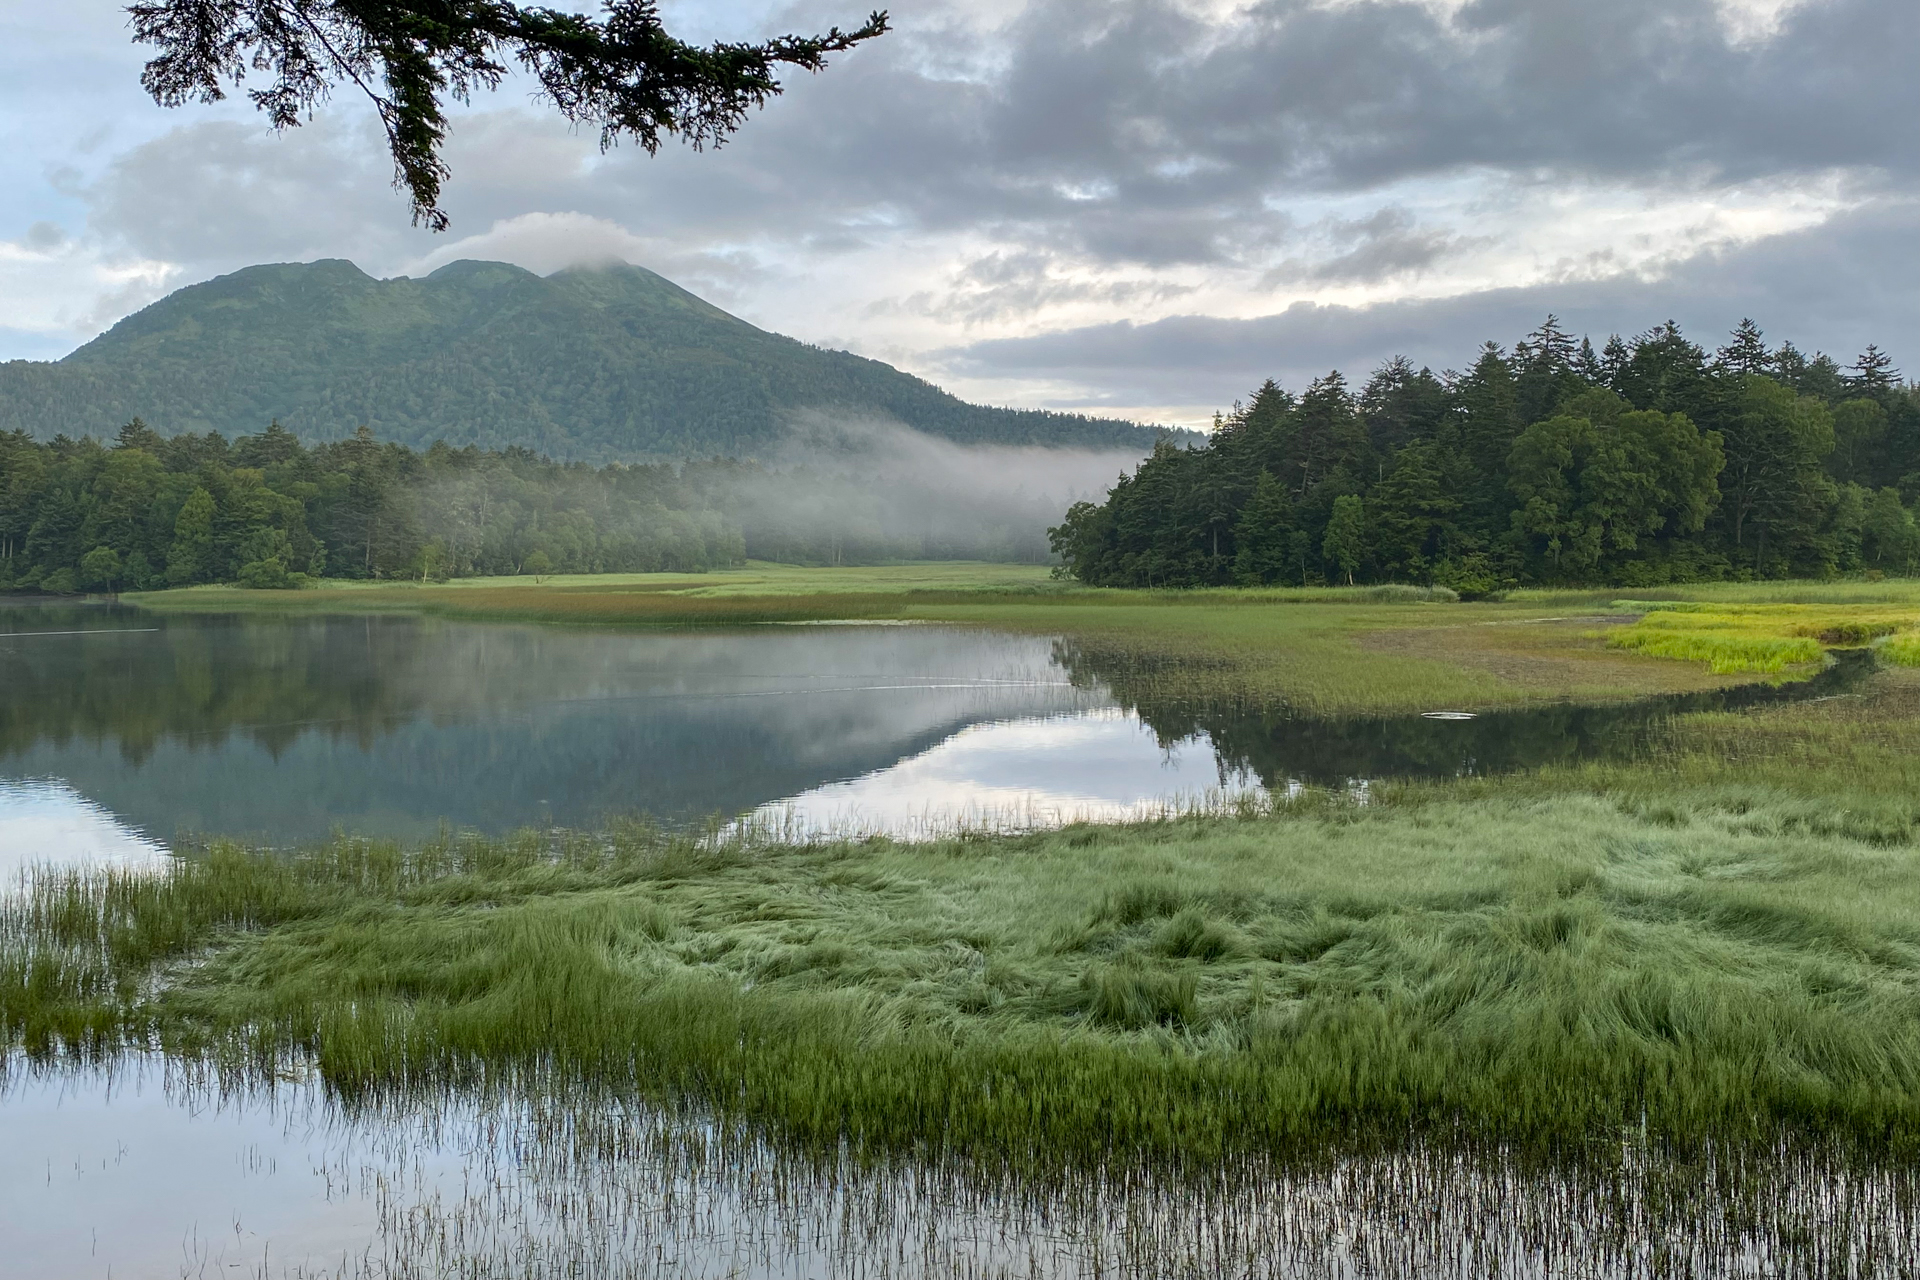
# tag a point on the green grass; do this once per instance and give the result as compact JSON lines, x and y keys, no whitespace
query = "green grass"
{"x":1889,"y":591}
{"x":755,"y":578}
{"x":1902,"y":651}
{"x":1722,"y":943}
{"x":1763,"y":637}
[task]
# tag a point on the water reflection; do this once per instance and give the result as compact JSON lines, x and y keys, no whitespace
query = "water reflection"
{"x":44,"y":821}
{"x":1280,"y":748}
{"x":119,"y":730}
{"x":130,"y":1173}
{"x":291,"y":727}
{"x":1094,"y":766}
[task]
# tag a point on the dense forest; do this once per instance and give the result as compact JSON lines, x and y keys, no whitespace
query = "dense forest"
{"x":1642,"y":462}
{"x":149,"y":511}
{"x":592,"y":364}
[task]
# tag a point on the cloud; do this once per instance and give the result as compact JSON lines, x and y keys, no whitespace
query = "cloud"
{"x":220,"y":194}
{"x":1144,"y":131}
{"x":44,"y":237}
{"x":1155,"y":133}
{"x":991,"y":177}
{"x":542,"y":243}
{"x":1841,"y":285}
{"x":1382,"y":246}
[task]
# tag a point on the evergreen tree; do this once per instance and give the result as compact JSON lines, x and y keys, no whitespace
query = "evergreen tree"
{"x":1614,"y":361}
{"x":1873,"y":373}
{"x":1401,"y":405}
{"x":1264,"y":535}
{"x":1747,"y":352}
{"x":1322,"y":434}
{"x":1788,"y":366}
{"x":1823,"y":379}
{"x":1486,"y":411}
{"x":1693,"y":468}
{"x":1775,"y":486}
{"x":1414,"y":512}
{"x":1543,"y":364}
{"x":1588,"y":365}
{"x":1860,"y":438}
{"x":1666,"y":373}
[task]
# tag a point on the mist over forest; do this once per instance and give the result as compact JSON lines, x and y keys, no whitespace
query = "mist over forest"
{"x":265,"y":510}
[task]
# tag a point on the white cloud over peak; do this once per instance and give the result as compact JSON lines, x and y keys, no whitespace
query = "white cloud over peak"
{"x":543,"y":243}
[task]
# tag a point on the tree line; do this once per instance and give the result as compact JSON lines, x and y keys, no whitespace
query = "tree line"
{"x":264,"y":510}
{"x":1638,"y":463}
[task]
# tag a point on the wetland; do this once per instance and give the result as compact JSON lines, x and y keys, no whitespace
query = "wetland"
{"x":1615,"y":976}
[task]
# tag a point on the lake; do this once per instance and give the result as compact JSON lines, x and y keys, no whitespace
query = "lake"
{"x":121,"y":730}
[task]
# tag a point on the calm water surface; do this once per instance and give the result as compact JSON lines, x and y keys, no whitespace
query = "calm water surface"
{"x":120,"y":730}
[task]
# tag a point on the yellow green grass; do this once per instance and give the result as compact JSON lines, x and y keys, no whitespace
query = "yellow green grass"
{"x":1847,"y":591}
{"x":1765,"y":637}
{"x":754,"y":578}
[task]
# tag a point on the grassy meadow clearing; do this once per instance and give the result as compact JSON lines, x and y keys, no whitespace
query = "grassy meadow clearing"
{"x":1718,"y":941}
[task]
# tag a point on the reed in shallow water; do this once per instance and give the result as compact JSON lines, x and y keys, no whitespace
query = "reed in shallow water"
{"x":526,"y":1174}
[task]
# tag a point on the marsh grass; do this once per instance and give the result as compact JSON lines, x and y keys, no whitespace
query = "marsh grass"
{"x":1715,"y":946}
{"x":1901,"y":650}
{"x":1767,"y":638}
{"x":1842,"y":592}
{"x":1720,"y":945}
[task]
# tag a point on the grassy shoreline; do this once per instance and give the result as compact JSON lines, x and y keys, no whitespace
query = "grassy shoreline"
{"x":1722,"y":944}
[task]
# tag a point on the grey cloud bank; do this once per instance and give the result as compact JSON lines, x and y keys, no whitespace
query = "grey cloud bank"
{"x":1847,"y":283}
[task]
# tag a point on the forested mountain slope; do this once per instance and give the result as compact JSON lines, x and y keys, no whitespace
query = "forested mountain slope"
{"x":590,"y":364}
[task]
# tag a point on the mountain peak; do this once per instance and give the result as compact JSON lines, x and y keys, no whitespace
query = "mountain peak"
{"x":477,"y":269}
{"x":592,"y":363}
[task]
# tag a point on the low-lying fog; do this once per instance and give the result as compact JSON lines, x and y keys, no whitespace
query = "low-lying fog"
{"x":869,"y":489}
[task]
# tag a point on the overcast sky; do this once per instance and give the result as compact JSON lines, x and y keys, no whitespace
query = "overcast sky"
{"x":1132,"y":206}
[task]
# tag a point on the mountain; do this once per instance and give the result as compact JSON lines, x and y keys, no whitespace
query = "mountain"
{"x":590,"y":364}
